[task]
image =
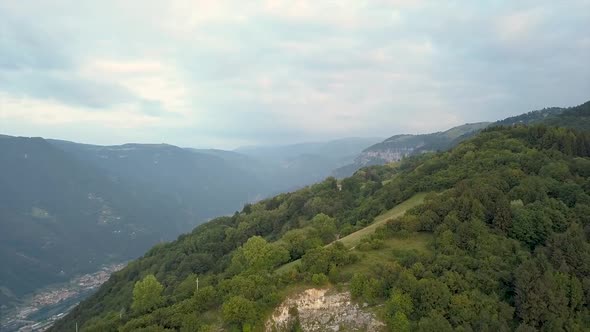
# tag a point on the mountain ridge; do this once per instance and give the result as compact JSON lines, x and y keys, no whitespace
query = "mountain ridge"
{"x":403,"y":145}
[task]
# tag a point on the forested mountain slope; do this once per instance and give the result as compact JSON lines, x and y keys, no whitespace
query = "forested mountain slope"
{"x":206,"y":185}
{"x":60,"y":217}
{"x":210,"y":182}
{"x":399,"y":146}
{"x":577,"y":117}
{"x":501,"y":243}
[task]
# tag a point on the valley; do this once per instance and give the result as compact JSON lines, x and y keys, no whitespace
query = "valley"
{"x":39,"y":311}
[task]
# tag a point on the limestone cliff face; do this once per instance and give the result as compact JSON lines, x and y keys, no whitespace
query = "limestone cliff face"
{"x":322,"y":310}
{"x":383,"y":156}
{"x":398,"y":147}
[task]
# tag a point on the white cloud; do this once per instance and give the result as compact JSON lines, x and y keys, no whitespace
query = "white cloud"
{"x":519,"y":26}
{"x":226,"y":72}
{"x":48,"y":113}
{"x":148,"y":79}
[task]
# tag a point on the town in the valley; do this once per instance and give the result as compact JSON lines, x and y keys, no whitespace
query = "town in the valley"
{"x":40,"y":311}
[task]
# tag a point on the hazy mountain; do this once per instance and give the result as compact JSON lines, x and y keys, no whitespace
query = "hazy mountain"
{"x":207,"y":185}
{"x":60,"y":216}
{"x":292,"y":166}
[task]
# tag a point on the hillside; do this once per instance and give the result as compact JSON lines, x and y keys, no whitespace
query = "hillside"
{"x":400,"y":146}
{"x":204,"y":184}
{"x":500,"y":243}
{"x":60,"y":217}
{"x":577,"y":117}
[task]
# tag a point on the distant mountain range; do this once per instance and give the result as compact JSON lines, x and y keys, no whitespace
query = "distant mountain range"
{"x":290,"y":166}
{"x":399,"y":146}
{"x":67,"y":208}
{"x":60,"y":216}
{"x":204,"y":184}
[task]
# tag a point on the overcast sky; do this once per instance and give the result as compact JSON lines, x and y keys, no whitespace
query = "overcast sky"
{"x":228,"y":73}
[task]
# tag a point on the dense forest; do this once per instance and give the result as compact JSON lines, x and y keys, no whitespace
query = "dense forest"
{"x":504,"y":221}
{"x":572,"y":117}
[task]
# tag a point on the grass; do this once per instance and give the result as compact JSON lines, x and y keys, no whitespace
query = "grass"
{"x":353,"y":239}
{"x":288,"y":266}
{"x":393,"y":250}
{"x":415,"y":241}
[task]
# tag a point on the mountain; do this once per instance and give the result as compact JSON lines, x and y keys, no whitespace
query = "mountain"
{"x":572,"y":117}
{"x":212,"y":182}
{"x":290,"y":167}
{"x":399,"y":146}
{"x":492,"y":234}
{"x":60,"y":217}
{"x":206,"y":184}
{"x":67,"y":208}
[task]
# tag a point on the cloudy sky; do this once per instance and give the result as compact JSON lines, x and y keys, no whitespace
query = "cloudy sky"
{"x":216,"y":73}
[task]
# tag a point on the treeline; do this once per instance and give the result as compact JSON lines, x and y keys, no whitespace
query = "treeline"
{"x":509,"y":218}
{"x":577,"y":117}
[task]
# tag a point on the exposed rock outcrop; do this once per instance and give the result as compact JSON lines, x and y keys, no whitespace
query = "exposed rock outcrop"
{"x":322,"y":310}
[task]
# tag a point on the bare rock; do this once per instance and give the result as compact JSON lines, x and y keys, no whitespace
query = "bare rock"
{"x":320,"y":310}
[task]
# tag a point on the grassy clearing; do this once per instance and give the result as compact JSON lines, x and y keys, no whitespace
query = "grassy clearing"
{"x":394,"y":249}
{"x":354,"y":239}
{"x":415,"y":241}
{"x":288,"y":266}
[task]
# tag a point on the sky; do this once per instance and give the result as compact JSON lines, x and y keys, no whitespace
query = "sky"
{"x":227,"y":73}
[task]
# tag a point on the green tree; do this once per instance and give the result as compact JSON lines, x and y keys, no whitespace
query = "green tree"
{"x":205,"y":298}
{"x":461,"y":309}
{"x":400,"y":302}
{"x":357,"y":285}
{"x":319,"y":279}
{"x":299,"y":241}
{"x":431,"y":294}
{"x":257,"y":255}
{"x":147,"y":294}
{"x":325,"y":226}
{"x":434,"y":323}
{"x":399,"y":322}
{"x":240,"y":311}
{"x":398,"y":308}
